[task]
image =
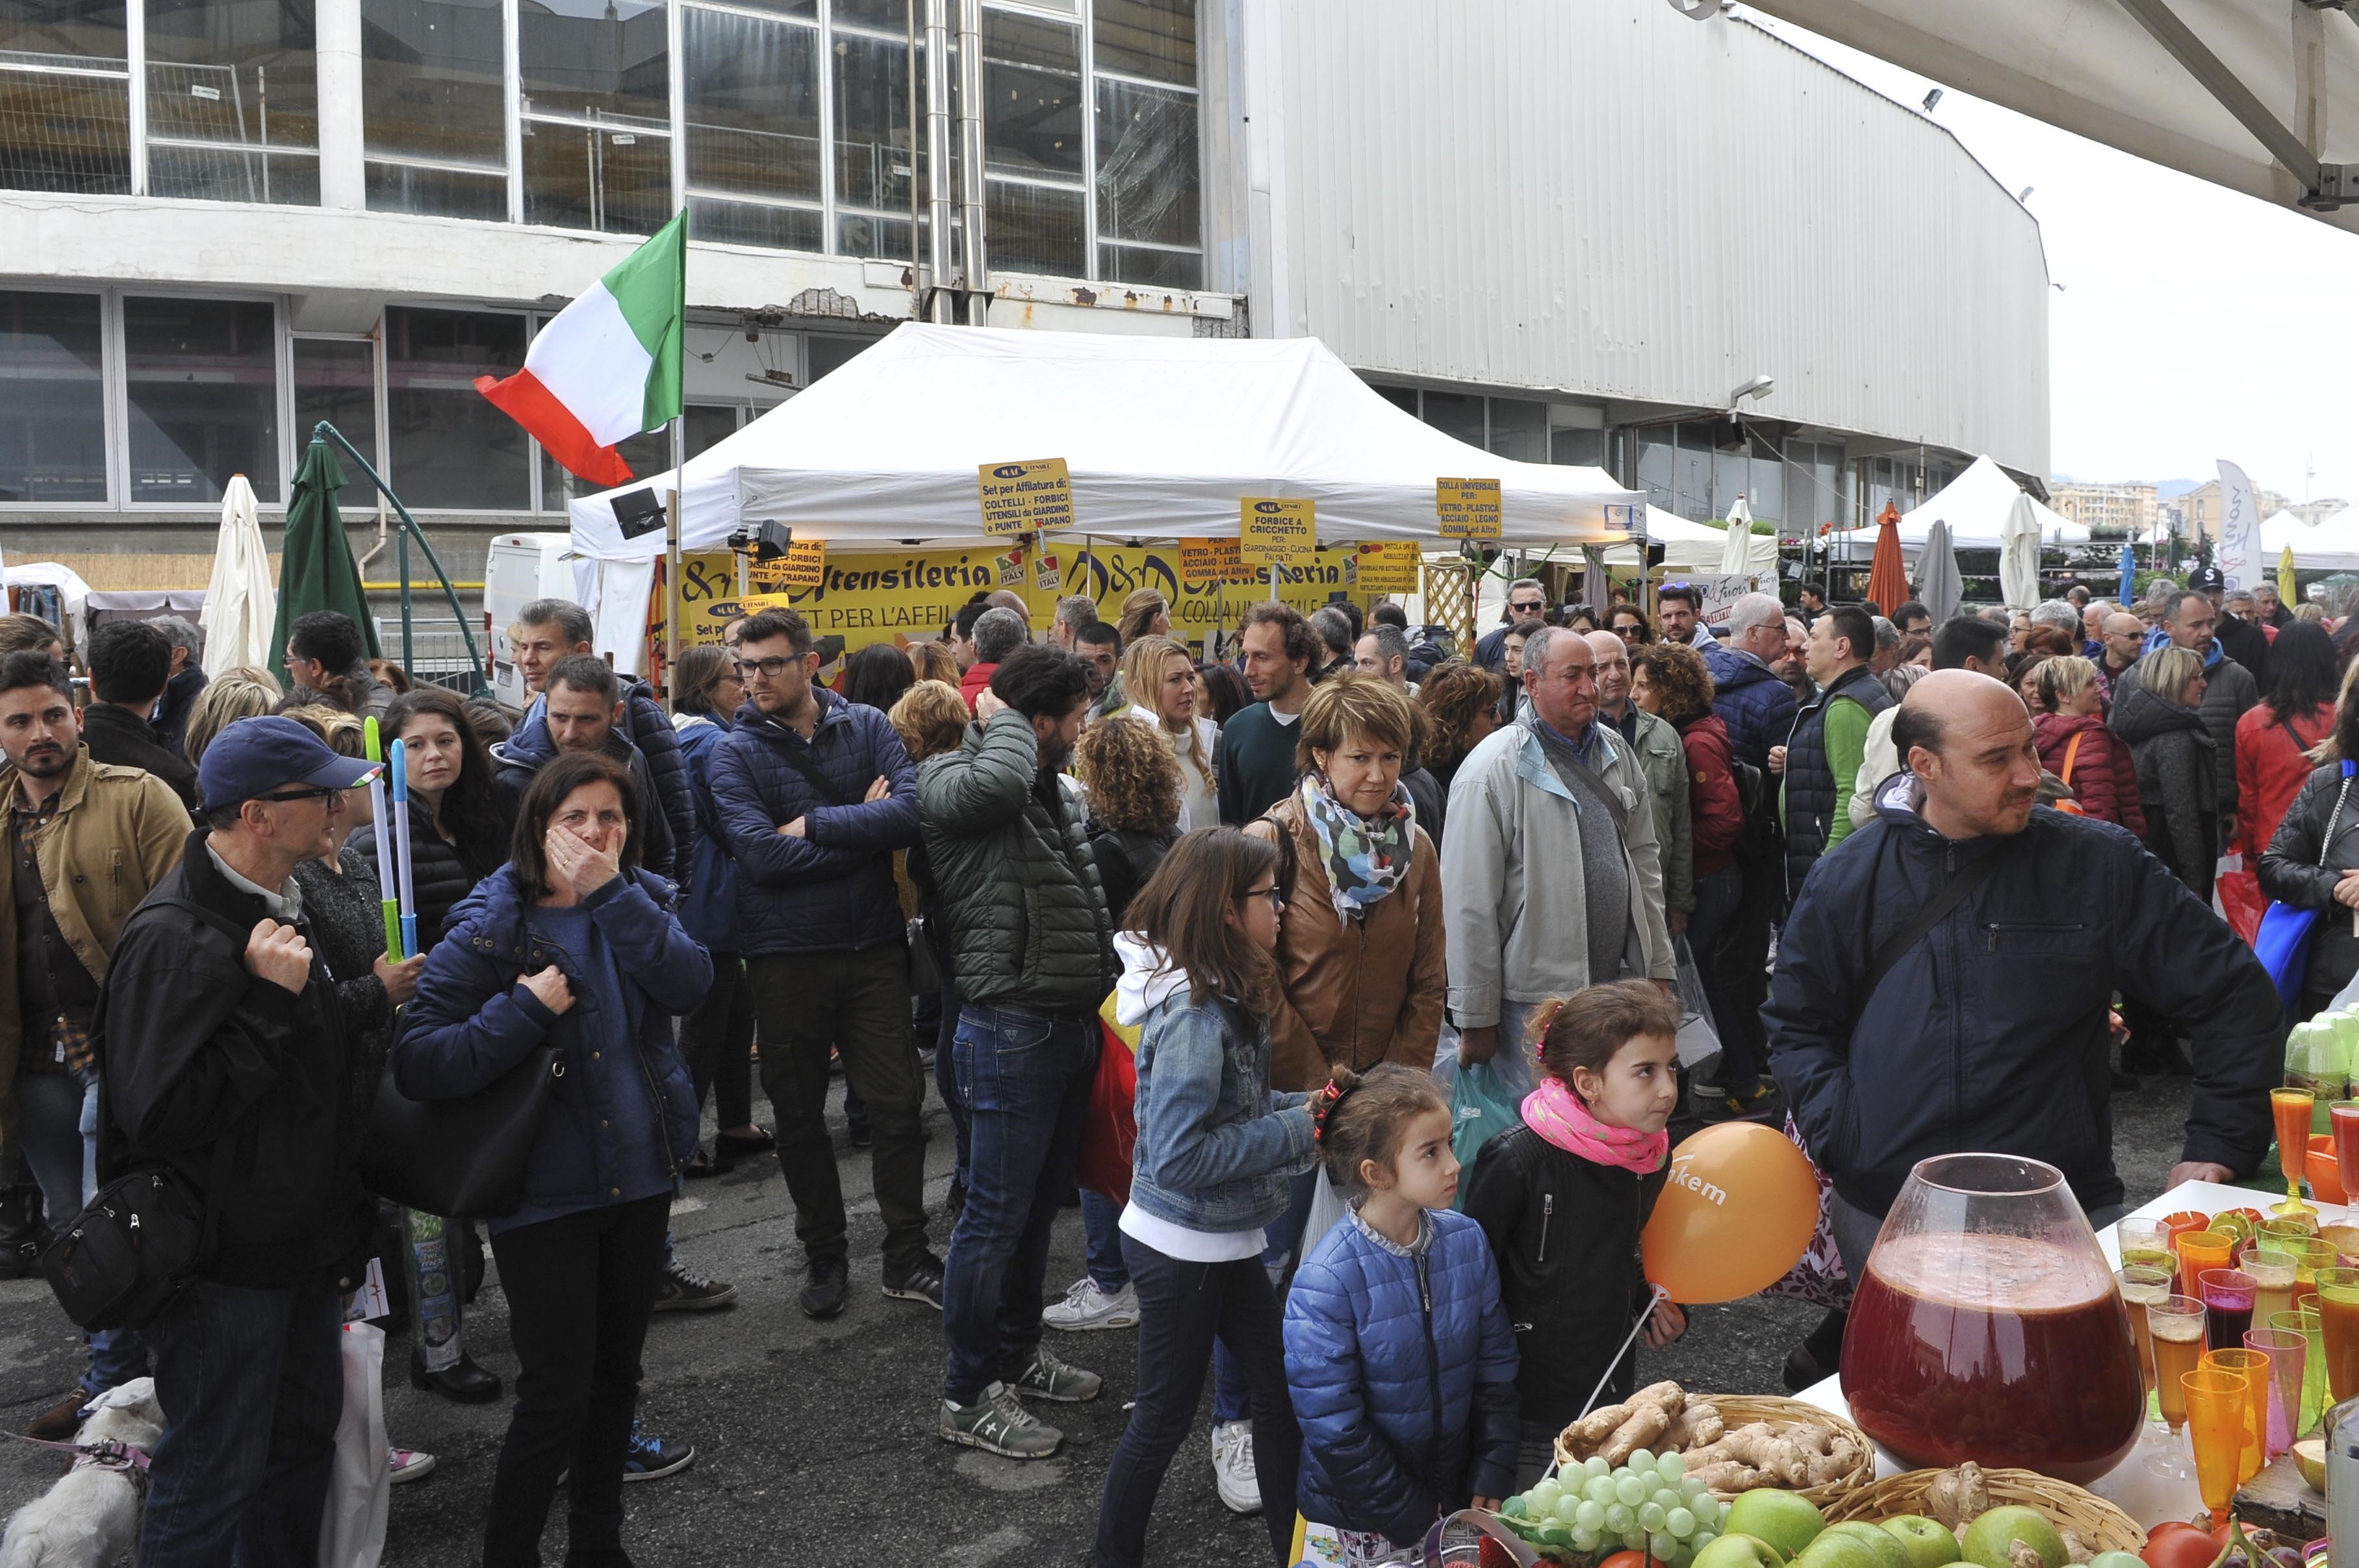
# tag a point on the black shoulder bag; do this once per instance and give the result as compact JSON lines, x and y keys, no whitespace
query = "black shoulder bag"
{"x":1936,"y":910}
{"x":144,"y":1236}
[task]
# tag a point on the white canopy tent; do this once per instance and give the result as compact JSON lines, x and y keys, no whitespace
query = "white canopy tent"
{"x":1163,"y":437}
{"x":2329,"y":546}
{"x":1691,"y":547}
{"x":2261,"y":96}
{"x":1975,"y":504}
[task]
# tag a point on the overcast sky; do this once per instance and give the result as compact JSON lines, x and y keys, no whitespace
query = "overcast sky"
{"x":2194,"y":323}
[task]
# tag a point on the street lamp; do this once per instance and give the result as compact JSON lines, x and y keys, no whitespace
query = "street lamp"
{"x":1758,"y":387}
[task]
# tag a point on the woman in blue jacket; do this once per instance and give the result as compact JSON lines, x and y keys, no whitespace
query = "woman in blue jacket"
{"x":570,"y":944}
{"x":1399,"y":1351}
{"x":717,"y":1035}
{"x":1216,"y":1148}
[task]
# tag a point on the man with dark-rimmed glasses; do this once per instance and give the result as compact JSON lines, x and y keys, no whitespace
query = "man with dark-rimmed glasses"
{"x":815,"y":794}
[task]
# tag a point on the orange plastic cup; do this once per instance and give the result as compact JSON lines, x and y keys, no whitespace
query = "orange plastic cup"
{"x":2219,"y":1412}
{"x":2200,"y":1251}
{"x":2252,"y":1365}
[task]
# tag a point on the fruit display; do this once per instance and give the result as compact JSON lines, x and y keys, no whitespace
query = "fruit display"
{"x":1647,"y":1504}
{"x":1729,"y":1461}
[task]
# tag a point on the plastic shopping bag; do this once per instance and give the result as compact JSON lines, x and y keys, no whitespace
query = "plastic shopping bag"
{"x":1697,"y":1038}
{"x":1480,"y":1107}
{"x":352,"y":1527}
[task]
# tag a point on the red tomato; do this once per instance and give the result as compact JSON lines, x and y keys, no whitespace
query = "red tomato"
{"x":2180,"y":1545}
{"x":1640,"y":1560}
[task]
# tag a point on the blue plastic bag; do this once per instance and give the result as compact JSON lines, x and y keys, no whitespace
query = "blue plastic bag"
{"x":1480,"y":1107}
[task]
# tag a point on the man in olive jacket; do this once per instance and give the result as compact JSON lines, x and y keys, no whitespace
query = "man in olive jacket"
{"x":1033,"y":950}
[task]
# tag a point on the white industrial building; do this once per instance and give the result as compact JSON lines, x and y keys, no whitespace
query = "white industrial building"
{"x":1571,"y":232}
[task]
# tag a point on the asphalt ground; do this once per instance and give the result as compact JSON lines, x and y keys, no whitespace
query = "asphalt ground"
{"x":816,"y":1442}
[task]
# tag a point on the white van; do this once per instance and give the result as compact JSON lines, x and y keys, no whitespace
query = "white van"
{"x":521,"y":568}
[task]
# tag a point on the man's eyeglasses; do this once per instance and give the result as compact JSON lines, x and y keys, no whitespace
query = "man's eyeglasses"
{"x":769,"y":668}
{"x":1528,"y":612}
{"x":288,"y":798}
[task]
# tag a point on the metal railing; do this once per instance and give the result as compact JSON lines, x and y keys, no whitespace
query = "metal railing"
{"x":324,"y":431}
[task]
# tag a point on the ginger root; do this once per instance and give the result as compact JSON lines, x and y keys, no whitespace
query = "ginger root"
{"x":1731,"y":1476}
{"x":2079,"y":1551}
{"x":1699,"y":1426}
{"x":1800,"y":1457}
{"x":1959,"y":1497}
{"x":1647,"y":1424}
{"x":1655,"y":1406}
{"x":2020,"y":1554}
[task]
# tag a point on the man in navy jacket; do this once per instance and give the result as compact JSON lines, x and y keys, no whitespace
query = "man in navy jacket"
{"x":1990,"y":1032}
{"x":815,"y":794}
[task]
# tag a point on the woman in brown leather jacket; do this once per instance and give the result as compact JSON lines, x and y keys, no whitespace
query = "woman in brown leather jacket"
{"x":1360,"y":940}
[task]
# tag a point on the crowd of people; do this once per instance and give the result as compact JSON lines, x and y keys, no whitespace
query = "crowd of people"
{"x":1304,"y":887}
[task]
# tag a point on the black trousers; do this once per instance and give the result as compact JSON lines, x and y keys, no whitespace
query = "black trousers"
{"x":1182,"y":1308}
{"x":580,"y":1290}
{"x":717,"y":1039}
{"x":859,"y":1004}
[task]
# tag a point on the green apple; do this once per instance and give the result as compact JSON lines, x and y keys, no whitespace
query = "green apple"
{"x":1842,"y":1549}
{"x":1929,"y":1543}
{"x":2120,"y":1559}
{"x":1786,"y":1521}
{"x":1737,"y":1552}
{"x":1887,"y":1547}
{"x":1988,"y":1537}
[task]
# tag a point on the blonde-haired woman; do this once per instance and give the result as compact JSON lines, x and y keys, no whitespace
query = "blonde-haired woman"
{"x":240,"y":692}
{"x":1160,"y":678}
{"x":2159,"y":719}
{"x":1145,"y":613}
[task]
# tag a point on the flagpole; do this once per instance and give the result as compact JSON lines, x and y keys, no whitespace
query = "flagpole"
{"x":673,"y":531}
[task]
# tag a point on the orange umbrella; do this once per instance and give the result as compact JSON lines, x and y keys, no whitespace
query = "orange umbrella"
{"x":1887,"y":583}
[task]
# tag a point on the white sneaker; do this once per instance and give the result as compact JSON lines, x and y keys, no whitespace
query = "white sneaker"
{"x":1087,"y":1307}
{"x":1232,"y":1466}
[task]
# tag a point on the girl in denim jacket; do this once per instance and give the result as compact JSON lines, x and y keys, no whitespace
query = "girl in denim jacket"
{"x":1215,"y":1149}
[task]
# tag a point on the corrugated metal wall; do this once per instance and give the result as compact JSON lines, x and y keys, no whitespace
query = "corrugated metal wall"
{"x":1607,"y":199}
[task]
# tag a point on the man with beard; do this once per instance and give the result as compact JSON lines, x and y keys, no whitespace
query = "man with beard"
{"x":1033,"y":951}
{"x":1257,"y":742}
{"x":89,"y":839}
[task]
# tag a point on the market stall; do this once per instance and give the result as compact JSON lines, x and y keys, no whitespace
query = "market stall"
{"x":1162,"y":439}
{"x":1975,"y":506}
{"x":2331,"y":546}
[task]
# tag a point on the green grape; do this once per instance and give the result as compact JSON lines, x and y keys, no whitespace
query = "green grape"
{"x":1595,"y":1465}
{"x":1600,"y":1489}
{"x":1667,"y":1497}
{"x":1651,"y":1517}
{"x":1585,"y":1541}
{"x":1640,"y":1459}
{"x":1634,"y":1541}
{"x":1662,"y":1545}
{"x":1619,"y":1520}
{"x":1628,"y":1489}
{"x":1591,"y":1517}
{"x":1671,"y":1466}
{"x":1513,"y":1508}
{"x":1681,"y":1522}
{"x":1692,"y":1489}
{"x":1542,"y":1497}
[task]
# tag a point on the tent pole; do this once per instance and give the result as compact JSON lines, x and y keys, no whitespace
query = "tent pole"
{"x":675,"y":598}
{"x":401,"y":554}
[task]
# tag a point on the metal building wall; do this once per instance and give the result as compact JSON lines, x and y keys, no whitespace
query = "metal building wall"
{"x":1605,"y":198}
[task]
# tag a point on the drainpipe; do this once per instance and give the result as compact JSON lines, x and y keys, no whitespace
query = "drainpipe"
{"x":941,"y":303}
{"x":978,"y":273}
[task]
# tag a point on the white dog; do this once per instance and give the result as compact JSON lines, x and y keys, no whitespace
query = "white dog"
{"x":91,"y":1517}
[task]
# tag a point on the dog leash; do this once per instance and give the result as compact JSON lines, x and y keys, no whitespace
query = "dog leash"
{"x":105,"y":1454}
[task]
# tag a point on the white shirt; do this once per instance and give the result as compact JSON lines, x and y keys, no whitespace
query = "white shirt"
{"x":1192,"y":1245}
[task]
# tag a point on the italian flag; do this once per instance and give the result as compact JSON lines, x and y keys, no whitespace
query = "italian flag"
{"x":608,"y":367}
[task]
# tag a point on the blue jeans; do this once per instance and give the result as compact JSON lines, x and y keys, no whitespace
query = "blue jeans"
{"x":1281,"y":1249}
{"x":57,"y":1117}
{"x":1101,"y":1226}
{"x":1024,"y":1080}
{"x":252,"y":1386}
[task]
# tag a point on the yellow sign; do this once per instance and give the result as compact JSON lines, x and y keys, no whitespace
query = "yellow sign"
{"x":1021,"y":497}
{"x":1272,"y":532}
{"x":803,"y":565}
{"x":1214,"y":561}
{"x":1468,"y":508}
{"x":1392,"y":566}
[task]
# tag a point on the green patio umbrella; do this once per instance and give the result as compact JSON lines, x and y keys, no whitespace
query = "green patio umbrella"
{"x":317,"y":571}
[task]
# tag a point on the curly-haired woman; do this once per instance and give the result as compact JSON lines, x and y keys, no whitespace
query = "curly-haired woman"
{"x":1462,"y":706}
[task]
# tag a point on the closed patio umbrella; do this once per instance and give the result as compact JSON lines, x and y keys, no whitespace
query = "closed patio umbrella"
{"x":1887,"y":579}
{"x":317,"y":571}
{"x":1736,"y":555}
{"x":240,"y":603}
{"x":1940,"y":588}
{"x":2018,"y":555}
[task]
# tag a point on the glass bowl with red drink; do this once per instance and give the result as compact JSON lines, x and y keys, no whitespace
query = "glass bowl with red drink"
{"x":1988,"y":1325}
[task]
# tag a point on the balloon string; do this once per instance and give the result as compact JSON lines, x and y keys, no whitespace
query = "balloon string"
{"x":1655,"y":1296}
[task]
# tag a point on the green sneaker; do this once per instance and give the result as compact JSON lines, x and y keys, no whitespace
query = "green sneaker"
{"x":1050,"y":1378}
{"x":998,"y":1423}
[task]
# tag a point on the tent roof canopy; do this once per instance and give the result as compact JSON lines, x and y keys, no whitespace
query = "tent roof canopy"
{"x":1163,"y":437}
{"x":1975,"y":506}
{"x":2261,"y":96}
{"x":2329,"y":546}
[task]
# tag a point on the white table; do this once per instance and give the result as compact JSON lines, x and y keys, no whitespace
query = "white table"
{"x":2144,"y":1497}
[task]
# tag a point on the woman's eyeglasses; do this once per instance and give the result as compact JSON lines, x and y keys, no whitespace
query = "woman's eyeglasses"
{"x":1276,"y":898}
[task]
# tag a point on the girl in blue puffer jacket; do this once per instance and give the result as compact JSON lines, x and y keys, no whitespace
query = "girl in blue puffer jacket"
{"x":1399,"y":1351}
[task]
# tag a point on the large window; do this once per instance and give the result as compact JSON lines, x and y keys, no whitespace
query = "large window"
{"x":1148,"y":162}
{"x":201,"y":386}
{"x":752,"y":124}
{"x":1035,"y":161}
{"x":335,"y":380}
{"x":435,"y":106}
{"x":452,"y":450}
{"x":874,"y":164}
{"x":52,"y":398}
{"x":596,"y":111}
{"x":65,"y":96}
{"x":232,"y":109}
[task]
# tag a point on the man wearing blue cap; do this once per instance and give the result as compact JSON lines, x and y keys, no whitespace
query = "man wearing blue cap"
{"x":226,"y":1061}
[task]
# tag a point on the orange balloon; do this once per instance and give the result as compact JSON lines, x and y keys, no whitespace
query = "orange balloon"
{"x":1736,"y":1215}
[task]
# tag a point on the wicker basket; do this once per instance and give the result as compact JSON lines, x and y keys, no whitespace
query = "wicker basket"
{"x":1743,"y":1410}
{"x":2097,"y":1523}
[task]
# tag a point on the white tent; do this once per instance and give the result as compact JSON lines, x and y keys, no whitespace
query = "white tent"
{"x":1691,"y":547}
{"x":1163,"y":438}
{"x":2251,"y":94}
{"x":2329,"y":546}
{"x":1975,"y":504}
